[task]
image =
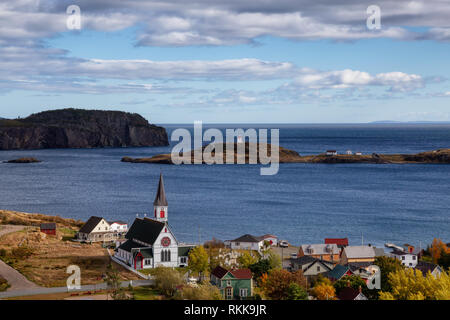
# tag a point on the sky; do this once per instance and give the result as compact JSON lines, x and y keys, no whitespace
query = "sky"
{"x":259,"y":61}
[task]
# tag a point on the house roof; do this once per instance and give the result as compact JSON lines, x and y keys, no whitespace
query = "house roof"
{"x":318,"y":249}
{"x":379,"y":252}
{"x":241,"y":273}
{"x":248,"y":238}
{"x":269,"y":236}
{"x":301,"y":261}
{"x":160,"y":199}
{"x":401,"y":253}
{"x":338,"y":272}
{"x":48,"y":226}
{"x":145,"y":230}
{"x":348,"y":293}
{"x":90,"y":224}
{"x":130,"y":244}
{"x":145,"y":253}
{"x":424,"y":267}
{"x":337,"y":241}
{"x":359,"y":252}
{"x":219,"y":272}
{"x":184,"y":251}
{"x":326,"y":264}
{"x":118,"y":222}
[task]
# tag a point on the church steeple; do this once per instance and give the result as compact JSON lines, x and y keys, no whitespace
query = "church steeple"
{"x":160,"y":204}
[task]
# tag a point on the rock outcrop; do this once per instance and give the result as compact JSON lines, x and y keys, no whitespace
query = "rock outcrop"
{"x":77,"y":128}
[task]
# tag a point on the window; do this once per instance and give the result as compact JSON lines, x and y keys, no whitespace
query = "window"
{"x":161,"y":213}
{"x":183,"y":259}
{"x":403,"y":257}
{"x":243,"y":292}
{"x":229,"y":293}
{"x":414,"y":257}
{"x":318,"y":268}
{"x":229,"y":283}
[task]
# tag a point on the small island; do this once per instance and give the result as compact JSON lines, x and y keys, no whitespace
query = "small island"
{"x":441,"y":156}
{"x":23,"y":160}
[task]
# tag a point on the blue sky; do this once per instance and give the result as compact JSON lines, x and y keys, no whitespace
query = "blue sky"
{"x":234,"y":62}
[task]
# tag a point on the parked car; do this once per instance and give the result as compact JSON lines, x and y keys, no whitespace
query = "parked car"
{"x":284,"y":244}
{"x":293,"y":255}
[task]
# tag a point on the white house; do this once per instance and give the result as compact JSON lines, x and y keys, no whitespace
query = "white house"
{"x":250,"y":242}
{"x":118,"y":226}
{"x":95,"y":229}
{"x":151,"y":242}
{"x":331,"y":153}
{"x":406,"y":258}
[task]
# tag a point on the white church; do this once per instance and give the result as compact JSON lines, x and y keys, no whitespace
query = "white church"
{"x":150,"y":242}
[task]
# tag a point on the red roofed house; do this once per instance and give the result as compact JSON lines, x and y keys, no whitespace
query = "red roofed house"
{"x":233,"y":284}
{"x":48,"y":228}
{"x":340,"y":242}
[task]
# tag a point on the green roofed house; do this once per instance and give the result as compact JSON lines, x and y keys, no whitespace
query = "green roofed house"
{"x":233,"y":284}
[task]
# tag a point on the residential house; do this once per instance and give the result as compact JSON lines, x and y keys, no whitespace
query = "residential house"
{"x":311,"y":266}
{"x":151,"y":242}
{"x":426,"y":267}
{"x":327,"y":252}
{"x":357,"y":254}
{"x":94,"y":230}
{"x":48,"y":228}
{"x":349,"y":293}
{"x":251,"y":242}
{"x":119,"y":227}
{"x":406,"y":258}
{"x":233,"y":284}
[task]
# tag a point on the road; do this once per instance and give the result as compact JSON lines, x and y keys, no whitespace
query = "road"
{"x":15,"y":279}
{"x":90,"y":287}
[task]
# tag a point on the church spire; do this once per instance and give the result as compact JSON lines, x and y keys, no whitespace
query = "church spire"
{"x":160,"y":199}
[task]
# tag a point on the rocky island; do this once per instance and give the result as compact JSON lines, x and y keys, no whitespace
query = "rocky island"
{"x":290,"y":156}
{"x":23,"y":160}
{"x":78,"y":128}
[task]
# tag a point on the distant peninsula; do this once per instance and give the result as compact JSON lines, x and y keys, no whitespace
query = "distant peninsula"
{"x":78,"y":128}
{"x":289,"y":156}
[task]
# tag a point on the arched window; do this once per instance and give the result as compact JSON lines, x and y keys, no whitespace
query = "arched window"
{"x":168,"y":255}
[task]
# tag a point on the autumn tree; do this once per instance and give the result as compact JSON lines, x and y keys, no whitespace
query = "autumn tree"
{"x":275,"y":284}
{"x":296,"y":292}
{"x":438,"y":248}
{"x":410,"y":284}
{"x":167,"y":280}
{"x":324,"y":291}
{"x":247,"y":258}
{"x":387,"y":265}
{"x":198,"y":260}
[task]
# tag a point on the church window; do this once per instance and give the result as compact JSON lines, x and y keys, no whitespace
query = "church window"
{"x":162,"y":214}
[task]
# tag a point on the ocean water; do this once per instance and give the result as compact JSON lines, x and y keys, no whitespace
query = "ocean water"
{"x":303,"y":203}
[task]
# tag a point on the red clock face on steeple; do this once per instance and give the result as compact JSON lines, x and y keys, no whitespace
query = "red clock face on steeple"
{"x":165,"y":242}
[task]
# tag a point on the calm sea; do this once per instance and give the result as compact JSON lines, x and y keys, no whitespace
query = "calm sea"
{"x":303,"y":203}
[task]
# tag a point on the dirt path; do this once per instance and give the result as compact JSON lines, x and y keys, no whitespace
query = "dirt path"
{"x":14,"y":278}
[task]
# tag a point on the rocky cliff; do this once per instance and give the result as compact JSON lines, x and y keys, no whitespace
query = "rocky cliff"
{"x":76,"y":128}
